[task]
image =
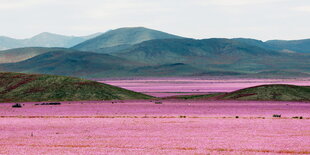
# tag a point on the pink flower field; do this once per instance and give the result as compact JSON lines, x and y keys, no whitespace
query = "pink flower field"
{"x":173,"y":127}
{"x":139,"y":127}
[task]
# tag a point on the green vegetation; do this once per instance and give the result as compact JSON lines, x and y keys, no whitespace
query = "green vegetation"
{"x":18,"y":87}
{"x":276,"y":92}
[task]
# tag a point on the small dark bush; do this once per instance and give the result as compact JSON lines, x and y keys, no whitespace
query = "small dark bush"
{"x":52,"y":103}
{"x":17,"y":105}
{"x":237,"y":116}
{"x":276,"y":115}
{"x":182,"y":116}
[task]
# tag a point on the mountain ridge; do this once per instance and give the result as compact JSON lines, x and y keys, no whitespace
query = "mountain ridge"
{"x":122,"y":36}
{"x":44,"y":39}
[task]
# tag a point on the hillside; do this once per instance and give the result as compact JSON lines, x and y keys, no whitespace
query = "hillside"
{"x":257,"y":43}
{"x":215,"y":55}
{"x":44,"y":39}
{"x":169,"y":57}
{"x":122,"y":37}
{"x":182,"y":50}
{"x":73,"y":63}
{"x":286,"y":46}
{"x":271,"y":92}
{"x":301,"y":46}
{"x":20,"y":54}
{"x":274,"y":92}
{"x":7,"y":43}
{"x":17,"y":87}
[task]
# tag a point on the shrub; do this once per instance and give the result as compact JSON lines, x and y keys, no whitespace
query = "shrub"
{"x":17,"y":105}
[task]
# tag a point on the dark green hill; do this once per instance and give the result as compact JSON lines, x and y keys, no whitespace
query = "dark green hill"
{"x":301,"y":46}
{"x":285,"y":46}
{"x":20,"y":54}
{"x":17,"y":87}
{"x":215,"y":55}
{"x":274,"y":92}
{"x":164,"y":51}
{"x":122,"y":37}
{"x":75,"y":63}
{"x":271,"y":92}
{"x":257,"y":43}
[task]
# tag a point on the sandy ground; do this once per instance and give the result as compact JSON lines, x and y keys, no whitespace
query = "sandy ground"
{"x":142,"y":127}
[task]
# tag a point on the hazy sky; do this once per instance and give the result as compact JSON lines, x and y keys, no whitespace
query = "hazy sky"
{"x":261,"y":19}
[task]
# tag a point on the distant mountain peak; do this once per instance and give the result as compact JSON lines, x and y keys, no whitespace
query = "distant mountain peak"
{"x":47,"y":35}
{"x":123,"y":36}
{"x":44,"y":39}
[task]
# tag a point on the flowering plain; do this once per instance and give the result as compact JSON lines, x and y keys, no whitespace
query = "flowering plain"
{"x":172,"y":126}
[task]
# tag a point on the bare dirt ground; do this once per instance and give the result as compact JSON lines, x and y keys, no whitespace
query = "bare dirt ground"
{"x":143,"y":127}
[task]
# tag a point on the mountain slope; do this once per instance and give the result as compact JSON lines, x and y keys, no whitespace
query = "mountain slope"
{"x":286,"y":46}
{"x":301,"y":46}
{"x":73,"y":63}
{"x":7,"y":43}
{"x":17,"y":87}
{"x":20,"y":54}
{"x":203,"y":53}
{"x":274,"y":92}
{"x":169,"y":57}
{"x":43,"y":40}
{"x":271,"y":92}
{"x":122,"y":36}
{"x":257,"y":43}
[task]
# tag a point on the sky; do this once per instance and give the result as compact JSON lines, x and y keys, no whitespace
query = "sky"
{"x":259,"y":19}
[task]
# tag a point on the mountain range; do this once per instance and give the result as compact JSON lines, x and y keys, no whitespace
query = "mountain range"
{"x":44,"y":39}
{"x":141,"y":51}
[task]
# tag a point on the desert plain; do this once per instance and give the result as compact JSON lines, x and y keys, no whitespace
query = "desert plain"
{"x":172,"y":126}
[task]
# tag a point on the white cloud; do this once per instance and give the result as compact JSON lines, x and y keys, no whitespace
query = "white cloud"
{"x":261,"y":19}
{"x":302,"y":8}
{"x":18,"y":4}
{"x":235,"y":2}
